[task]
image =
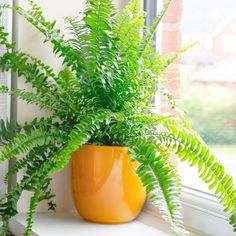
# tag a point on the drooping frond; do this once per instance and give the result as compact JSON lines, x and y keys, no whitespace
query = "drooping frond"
{"x":35,"y":17}
{"x":19,"y":62}
{"x":21,"y":144}
{"x":37,"y":197}
{"x":26,"y":141}
{"x":34,"y":98}
{"x":51,"y":33}
{"x":8,"y":206}
{"x":190,"y":148}
{"x":40,"y":76}
{"x":37,"y":172}
{"x":33,"y":156}
{"x":161,"y":182}
{"x":32,"y":209}
{"x":41,"y":192}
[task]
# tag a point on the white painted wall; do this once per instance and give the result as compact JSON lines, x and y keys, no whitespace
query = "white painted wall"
{"x":30,"y":41}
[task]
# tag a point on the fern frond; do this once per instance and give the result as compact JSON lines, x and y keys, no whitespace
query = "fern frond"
{"x":31,"y":69}
{"x":8,"y":130}
{"x":45,"y":68}
{"x":190,"y":148}
{"x":41,"y":76}
{"x":47,"y":195}
{"x":62,"y":84}
{"x":98,"y":18}
{"x":8,"y":207}
{"x":27,"y":65}
{"x":36,"y":18}
{"x":98,"y":49}
{"x":35,"y":199}
{"x":35,"y":156}
{"x":20,"y":164}
{"x":78,"y":30}
{"x":68,"y":81}
{"x":161,"y":182}
{"x":19,"y":62}
{"x":22,"y":143}
{"x":32,"y":209}
{"x":8,"y":203}
{"x":130,"y":26}
{"x":4,"y":36}
{"x":34,"y":98}
{"x":71,"y":88}
{"x":52,"y":34}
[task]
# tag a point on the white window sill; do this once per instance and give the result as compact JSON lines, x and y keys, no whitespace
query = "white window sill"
{"x":61,"y":224}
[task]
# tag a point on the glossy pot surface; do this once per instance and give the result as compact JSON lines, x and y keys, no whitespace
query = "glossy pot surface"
{"x":105,"y":186}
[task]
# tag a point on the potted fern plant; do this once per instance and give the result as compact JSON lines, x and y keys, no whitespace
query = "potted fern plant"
{"x":101,"y":106}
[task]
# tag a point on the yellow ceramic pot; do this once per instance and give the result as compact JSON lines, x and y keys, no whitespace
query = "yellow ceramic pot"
{"x":105,"y":186}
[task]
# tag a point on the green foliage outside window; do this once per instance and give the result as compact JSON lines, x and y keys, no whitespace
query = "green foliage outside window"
{"x":211,"y":109}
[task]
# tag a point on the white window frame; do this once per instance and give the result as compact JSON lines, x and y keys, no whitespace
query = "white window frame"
{"x":202,"y":213}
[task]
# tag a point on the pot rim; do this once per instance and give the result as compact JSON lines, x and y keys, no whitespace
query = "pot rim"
{"x":90,"y":146}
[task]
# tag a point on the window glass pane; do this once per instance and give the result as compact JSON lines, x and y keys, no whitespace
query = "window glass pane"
{"x":208,"y":79}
